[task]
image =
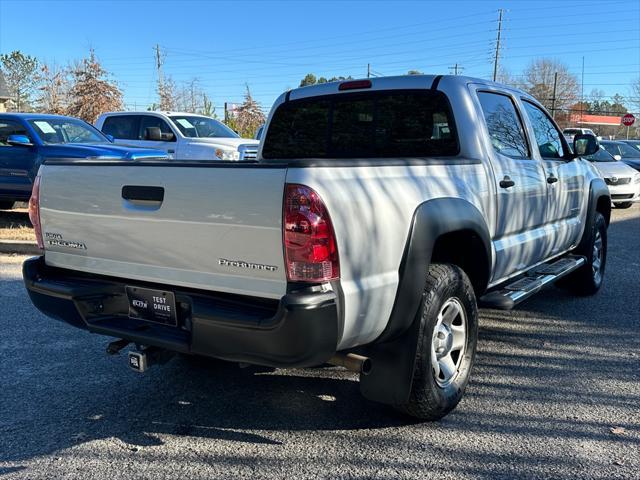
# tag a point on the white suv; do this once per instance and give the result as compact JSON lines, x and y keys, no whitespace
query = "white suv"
{"x":183,"y":136}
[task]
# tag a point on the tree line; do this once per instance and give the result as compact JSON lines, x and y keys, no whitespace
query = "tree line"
{"x":84,"y":89}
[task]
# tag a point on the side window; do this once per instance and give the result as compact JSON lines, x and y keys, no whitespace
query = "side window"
{"x":504,"y":125}
{"x":123,"y":127}
{"x":151,"y":121}
{"x":10,"y":127}
{"x":547,"y":135}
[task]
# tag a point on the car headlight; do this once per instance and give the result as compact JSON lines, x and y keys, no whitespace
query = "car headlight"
{"x":223,"y":154}
{"x":636,"y":178}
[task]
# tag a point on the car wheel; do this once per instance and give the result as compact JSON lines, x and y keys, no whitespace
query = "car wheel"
{"x":447,"y":342}
{"x":588,"y":279}
{"x":6,"y":205}
{"x":623,"y":204}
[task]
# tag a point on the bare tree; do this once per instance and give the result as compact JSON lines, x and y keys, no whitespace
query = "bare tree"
{"x":20,"y":74}
{"x":539,"y":79}
{"x":167,"y":94}
{"x":54,"y":90}
{"x":635,"y":94}
{"x":248,"y":116}
{"x":92,"y":93}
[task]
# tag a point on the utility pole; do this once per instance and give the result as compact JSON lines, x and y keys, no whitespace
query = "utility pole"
{"x":160,"y":79}
{"x":226,"y":117}
{"x":553,"y":99}
{"x":159,"y":63}
{"x":582,"y":90}
{"x":497,"y":54}
{"x":456,"y":68}
{"x":368,"y":70}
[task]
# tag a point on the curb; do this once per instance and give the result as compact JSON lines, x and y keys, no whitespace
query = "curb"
{"x":19,"y":247}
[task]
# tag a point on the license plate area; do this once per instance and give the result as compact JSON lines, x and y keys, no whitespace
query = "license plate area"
{"x":158,"y":306}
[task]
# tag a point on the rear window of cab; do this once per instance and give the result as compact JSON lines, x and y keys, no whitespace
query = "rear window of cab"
{"x":375,"y":124}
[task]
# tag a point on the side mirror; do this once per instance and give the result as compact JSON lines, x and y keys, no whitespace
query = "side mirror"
{"x":618,"y":157}
{"x":585,"y":144}
{"x":153,"y":133}
{"x":19,"y":141}
{"x":110,"y":138}
{"x":168,"y":137}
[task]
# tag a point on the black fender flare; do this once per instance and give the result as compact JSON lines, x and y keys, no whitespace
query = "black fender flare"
{"x":393,"y":352}
{"x":597,"y":190}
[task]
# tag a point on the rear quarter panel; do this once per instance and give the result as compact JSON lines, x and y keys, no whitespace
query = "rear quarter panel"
{"x":372,"y":210}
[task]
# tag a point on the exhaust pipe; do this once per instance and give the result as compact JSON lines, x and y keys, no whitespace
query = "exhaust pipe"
{"x":352,"y":362}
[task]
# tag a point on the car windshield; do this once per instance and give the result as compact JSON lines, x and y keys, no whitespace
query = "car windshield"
{"x":203,"y":127}
{"x":627,"y":151}
{"x":66,"y":130}
{"x":600,"y":156}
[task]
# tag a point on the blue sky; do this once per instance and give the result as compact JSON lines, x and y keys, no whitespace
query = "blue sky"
{"x":271,"y":45}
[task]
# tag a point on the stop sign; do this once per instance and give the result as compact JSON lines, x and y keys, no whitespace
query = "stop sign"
{"x":628,"y":119}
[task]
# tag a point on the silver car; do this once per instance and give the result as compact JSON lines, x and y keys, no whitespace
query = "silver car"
{"x":622,"y":180}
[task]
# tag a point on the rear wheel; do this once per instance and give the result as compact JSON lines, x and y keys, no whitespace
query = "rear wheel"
{"x":446,"y":345}
{"x":623,"y":204}
{"x":588,"y":279}
{"x":6,"y":205}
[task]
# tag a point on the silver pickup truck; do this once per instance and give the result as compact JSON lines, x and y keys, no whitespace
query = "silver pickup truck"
{"x":378,"y":215}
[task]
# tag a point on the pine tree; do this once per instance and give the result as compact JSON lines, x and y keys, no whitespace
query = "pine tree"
{"x":20,"y":74}
{"x":92,"y":93}
{"x":248,"y":116}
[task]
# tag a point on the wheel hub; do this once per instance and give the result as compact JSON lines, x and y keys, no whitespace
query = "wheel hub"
{"x":443,"y":341}
{"x":449,"y":341}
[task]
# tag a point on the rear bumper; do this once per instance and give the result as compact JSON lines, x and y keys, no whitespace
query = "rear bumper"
{"x":301,"y":329}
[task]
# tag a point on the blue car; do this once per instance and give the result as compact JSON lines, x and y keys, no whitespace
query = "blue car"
{"x":26,"y":139}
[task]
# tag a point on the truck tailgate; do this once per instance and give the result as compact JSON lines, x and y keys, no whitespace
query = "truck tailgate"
{"x":205,"y":226}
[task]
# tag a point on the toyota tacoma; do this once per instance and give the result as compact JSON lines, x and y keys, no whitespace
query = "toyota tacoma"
{"x":378,"y":215}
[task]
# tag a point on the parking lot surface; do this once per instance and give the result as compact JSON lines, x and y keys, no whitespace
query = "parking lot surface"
{"x":555,"y":393}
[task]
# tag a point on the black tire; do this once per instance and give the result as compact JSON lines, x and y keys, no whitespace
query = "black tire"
{"x":588,"y":279}
{"x":431,"y":398}
{"x":623,"y":204}
{"x":6,"y":205}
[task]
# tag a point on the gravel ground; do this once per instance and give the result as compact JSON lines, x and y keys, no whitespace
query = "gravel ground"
{"x":552,"y":380}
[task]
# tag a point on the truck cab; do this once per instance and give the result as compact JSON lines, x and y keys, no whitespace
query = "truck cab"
{"x":182,"y":136}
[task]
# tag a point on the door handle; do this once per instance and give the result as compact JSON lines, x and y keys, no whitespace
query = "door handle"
{"x":552,"y":178}
{"x":506,"y":182}
{"x":171,"y":151}
{"x":143,"y":193}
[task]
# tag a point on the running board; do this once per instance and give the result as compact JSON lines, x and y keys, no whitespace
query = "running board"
{"x":533,"y":281}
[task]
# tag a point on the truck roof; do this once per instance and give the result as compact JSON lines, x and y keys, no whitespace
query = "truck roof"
{"x":395,"y":82}
{"x":155,"y":112}
{"x":33,"y":115}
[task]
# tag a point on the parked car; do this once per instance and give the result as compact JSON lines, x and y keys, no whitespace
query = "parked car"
{"x":624,"y":152}
{"x":183,"y":136}
{"x":569,"y":133}
{"x":622,"y":180}
{"x":362,"y":236}
{"x":633,"y":143}
{"x":26,"y":139}
{"x":259,"y":133}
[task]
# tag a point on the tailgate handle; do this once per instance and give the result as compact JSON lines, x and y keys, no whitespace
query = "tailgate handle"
{"x":143,"y":193}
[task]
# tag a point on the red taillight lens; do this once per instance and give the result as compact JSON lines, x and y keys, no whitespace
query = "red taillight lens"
{"x":34,"y":211}
{"x":355,"y":85}
{"x":310,"y":246}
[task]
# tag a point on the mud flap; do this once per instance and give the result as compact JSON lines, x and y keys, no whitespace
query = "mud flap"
{"x":393,"y":365}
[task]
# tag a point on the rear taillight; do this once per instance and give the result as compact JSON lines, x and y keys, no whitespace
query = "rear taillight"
{"x":34,"y":211}
{"x":311,"y":252}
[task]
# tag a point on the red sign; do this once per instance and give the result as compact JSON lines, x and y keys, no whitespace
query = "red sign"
{"x":628,"y":120}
